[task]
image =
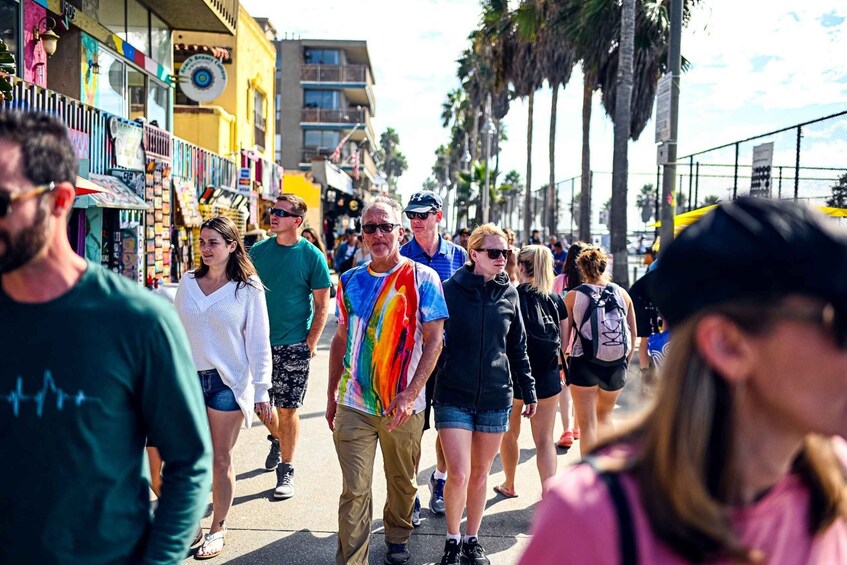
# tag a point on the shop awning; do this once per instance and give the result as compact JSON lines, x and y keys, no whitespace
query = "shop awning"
{"x":113,"y":194}
{"x":85,"y":186}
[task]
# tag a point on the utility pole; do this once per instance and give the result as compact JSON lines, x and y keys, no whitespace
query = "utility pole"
{"x":669,"y":177}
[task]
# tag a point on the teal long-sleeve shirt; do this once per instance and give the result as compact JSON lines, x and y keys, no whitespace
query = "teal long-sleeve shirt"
{"x":85,"y":380}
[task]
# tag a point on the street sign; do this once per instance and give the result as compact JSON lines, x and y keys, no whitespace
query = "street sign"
{"x":760,"y":179}
{"x":663,"y":109}
{"x":662,"y":154}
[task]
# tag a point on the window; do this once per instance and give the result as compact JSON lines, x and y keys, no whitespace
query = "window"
{"x":327,"y":99}
{"x":259,"y":118}
{"x":318,"y":139}
{"x":157,"y":104}
{"x":10,"y":30}
{"x":160,"y":42}
{"x":112,"y":15}
{"x":137,"y":93}
{"x":322,"y":56}
{"x":111,"y":84}
{"x":138,"y":26}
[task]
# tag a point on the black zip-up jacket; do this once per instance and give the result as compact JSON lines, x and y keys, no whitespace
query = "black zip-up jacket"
{"x":485,"y":345}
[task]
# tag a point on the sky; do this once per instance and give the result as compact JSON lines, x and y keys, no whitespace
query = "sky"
{"x":755,"y":67}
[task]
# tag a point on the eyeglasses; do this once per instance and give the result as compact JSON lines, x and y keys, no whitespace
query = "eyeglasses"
{"x":6,"y":199}
{"x":493,"y":254}
{"x":370,"y":229}
{"x":420,"y":215}
{"x":280,"y":213}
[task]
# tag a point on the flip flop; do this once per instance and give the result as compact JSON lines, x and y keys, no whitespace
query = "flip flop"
{"x":213,"y":543}
{"x":505,"y":493}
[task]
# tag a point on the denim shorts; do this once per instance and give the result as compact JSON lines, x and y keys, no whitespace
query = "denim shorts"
{"x":486,"y":421}
{"x":217,"y":395}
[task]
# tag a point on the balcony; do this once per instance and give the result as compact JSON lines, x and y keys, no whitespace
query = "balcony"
{"x":315,"y":152}
{"x":354,"y":80}
{"x":340,"y":119}
{"x":216,"y":16}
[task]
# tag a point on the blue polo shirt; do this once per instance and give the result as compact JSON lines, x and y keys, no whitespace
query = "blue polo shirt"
{"x":447,"y":260}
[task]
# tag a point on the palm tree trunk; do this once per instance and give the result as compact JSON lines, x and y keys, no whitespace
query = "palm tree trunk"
{"x":527,"y":218}
{"x":552,"y":197}
{"x":585,"y":194}
{"x":620,"y":165}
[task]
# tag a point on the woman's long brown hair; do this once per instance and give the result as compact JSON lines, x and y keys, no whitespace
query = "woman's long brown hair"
{"x":239,"y":267}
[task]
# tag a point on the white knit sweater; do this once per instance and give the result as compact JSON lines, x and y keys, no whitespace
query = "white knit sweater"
{"x":229,"y":331}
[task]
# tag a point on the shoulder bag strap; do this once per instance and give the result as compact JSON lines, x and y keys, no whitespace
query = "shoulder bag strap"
{"x":626,"y":526}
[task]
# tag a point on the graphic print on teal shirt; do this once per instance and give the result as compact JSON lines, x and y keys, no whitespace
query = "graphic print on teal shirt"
{"x":384,"y":313}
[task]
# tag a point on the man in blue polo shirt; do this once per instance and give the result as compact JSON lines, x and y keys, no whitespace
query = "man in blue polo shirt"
{"x":428,"y":248}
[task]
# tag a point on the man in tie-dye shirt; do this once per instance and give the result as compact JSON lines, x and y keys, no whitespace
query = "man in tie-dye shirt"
{"x":391,"y":315}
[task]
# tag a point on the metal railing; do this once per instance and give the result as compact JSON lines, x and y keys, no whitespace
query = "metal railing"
{"x":201,"y":167}
{"x":227,"y":9}
{"x":335,"y":73}
{"x":334,"y":116}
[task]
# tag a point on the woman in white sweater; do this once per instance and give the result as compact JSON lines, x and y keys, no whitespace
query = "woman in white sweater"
{"x":222,"y":306}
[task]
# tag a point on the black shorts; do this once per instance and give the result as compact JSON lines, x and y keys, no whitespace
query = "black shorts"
{"x":546,"y":385}
{"x":583,"y":372}
{"x":428,"y":393}
{"x":290,"y":374}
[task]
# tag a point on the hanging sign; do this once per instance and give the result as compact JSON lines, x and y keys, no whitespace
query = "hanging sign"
{"x":202,"y":77}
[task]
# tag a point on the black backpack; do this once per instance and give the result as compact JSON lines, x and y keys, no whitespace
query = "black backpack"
{"x":609,"y":340}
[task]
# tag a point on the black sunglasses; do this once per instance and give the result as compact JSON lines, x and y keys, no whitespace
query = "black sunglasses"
{"x":493,"y":254}
{"x":280,"y":213}
{"x":420,"y":215}
{"x":384,"y":228}
{"x":828,"y":316}
{"x":6,"y":199}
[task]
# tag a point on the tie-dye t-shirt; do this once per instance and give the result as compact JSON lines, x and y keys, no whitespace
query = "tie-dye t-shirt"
{"x":384,"y":313}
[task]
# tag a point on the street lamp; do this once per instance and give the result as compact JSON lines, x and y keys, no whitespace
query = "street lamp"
{"x":487,"y":130}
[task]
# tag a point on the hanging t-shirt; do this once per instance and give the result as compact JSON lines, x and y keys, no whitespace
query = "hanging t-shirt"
{"x":384,"y":313}
{"x":290,"y":273}
{"x":86,"y":377}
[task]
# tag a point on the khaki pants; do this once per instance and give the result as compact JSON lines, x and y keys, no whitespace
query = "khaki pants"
{"x":356,"y":435}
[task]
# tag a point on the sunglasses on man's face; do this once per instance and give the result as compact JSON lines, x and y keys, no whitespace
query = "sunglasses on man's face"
{"x":6,"y":199}
{"x":420,"y":215}
{"x":493,"y":254}
{"x":370,"y":229}
{"x":280,"y":213}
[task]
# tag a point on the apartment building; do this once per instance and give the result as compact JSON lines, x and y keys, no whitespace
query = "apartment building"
{"x":324,"y":89}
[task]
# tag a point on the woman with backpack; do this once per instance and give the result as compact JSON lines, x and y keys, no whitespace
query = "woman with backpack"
{"x":484,"y":352}
{"x":603,"y":321}
{"x":567,"y":281}
{"x":545,"y":319}
{"x":741,"y":458}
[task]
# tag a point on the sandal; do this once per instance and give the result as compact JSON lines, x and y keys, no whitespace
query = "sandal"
{"x":198,"y":538}
{"x":213,"y":545}
{"x":576,"y":433}
{"x":499,"y":489}
{"x":566,"y":440}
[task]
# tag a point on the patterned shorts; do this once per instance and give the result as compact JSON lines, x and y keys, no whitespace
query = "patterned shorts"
{"x":290,"y":374}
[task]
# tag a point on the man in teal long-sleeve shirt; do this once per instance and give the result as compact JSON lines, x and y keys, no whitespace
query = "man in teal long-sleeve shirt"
{"x":91,"y":365}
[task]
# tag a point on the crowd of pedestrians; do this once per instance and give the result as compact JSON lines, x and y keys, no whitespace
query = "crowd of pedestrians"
{"x":739,"y":458}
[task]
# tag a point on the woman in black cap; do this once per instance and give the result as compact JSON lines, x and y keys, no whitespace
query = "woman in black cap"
{"x":741,"y":458}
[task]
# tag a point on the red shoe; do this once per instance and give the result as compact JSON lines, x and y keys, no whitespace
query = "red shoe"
{"x":566,"y":440}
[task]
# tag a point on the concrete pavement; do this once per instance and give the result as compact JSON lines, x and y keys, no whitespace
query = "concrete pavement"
{"x":302,"y":530}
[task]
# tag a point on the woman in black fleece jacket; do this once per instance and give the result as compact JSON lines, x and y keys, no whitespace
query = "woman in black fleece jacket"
{"x":484,"y":353}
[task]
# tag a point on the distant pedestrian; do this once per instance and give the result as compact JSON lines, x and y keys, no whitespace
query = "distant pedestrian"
{"x":463,"y":236}
{"x":296,"y":276}
{"x":484,"y":353}
{"x":424,"y":212}
{"x":603,"y":320}
{"x":222,"y":307}
{"x":92,"y":365}
{"x":559,"y":256}
{"x":343,"y":260}
{"x":390,"y":325}
{"x":535,"y":238}
{"x":741,"y":458}
{"x":545,"y":320}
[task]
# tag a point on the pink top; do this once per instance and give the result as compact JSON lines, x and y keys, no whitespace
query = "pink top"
{"x":559,"y":284}
{"x":576,"y":523}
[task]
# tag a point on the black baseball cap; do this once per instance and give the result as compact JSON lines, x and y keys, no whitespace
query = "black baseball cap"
{"x":751,"y":248}
{"x":424,"y":201}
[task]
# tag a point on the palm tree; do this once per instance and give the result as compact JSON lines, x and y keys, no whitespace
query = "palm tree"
{"x":558,"y":61}
{"x":391,"y":160}
{"x":712,"y":199}
{"x":620,"y":164}
{"x":645,"y":201}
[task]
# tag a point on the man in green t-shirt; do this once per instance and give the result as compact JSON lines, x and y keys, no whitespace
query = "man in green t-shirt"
{"x":297,"y":280}
{"x":92,"y":366}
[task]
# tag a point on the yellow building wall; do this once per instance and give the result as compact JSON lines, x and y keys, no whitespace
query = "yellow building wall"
{"x":212,"y":130}
{"x":252,"y":69}
{"x":308,"y":191}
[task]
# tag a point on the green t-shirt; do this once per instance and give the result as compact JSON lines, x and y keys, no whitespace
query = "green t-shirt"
{"x":86,"y":379}
{"x":290,"y":273}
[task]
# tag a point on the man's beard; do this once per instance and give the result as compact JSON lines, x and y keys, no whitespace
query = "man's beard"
{"x":20,"y":248}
